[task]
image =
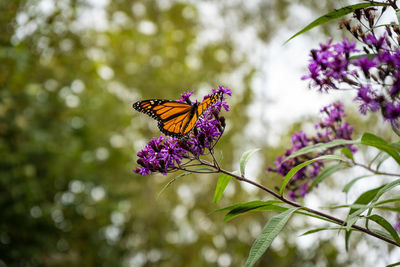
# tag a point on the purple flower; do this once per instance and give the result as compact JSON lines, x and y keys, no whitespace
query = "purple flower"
{"x":185,"y":97}
{"x":331,"y":126}
{"x":303,"y":189}
{"x":331,"y":114}
{"x":165,"y":154}
{"x":391,"y":112}
{"x":292,"y":195}
{"x":160,"y":155}
{"x":365,"y":64}
{"x":377,"y":43}
{"x":345,"y":47}
{"x":299,"y":140}
{"x":367,"y":97}
{"x":344,"y":131}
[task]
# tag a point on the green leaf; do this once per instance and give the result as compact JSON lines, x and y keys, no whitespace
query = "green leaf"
{"x":240,"y":208}
{"x":325,"y":174}
{"x":248,"y":205}
{"x":347,"y":152}
{"x":383,"y":190}
{"x":180,"y":176}
{"x":397,"y":263}
{"x":293,"y":171}
{"x":236,"y":212}
{"x":268,"y":234}
{"x":323,"y":229}
{"x":347,"y":187}
{"x":379,"y":143}
{"x":381,"y":161}
{"x":386,"y":225}
{"x":321,"y":146}
{"x":395,"y":209}
{"x":386,"y":188}
{"x":223,"y":181}
{"x":338,"y":13}
{"x":398,"y":16}
{"x":171,"y":181}
{"x":390,"y":200}
{"x":355,"y":206}
{"x":315,"y":216}
{"x":382,"y":233}
{"x":364,"y":198}
{"x":245,"y":158}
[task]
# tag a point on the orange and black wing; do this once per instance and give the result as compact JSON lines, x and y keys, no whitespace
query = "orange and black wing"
{"x":175,"y":118}
{"x":207,"y":102}
{"x":199,"y":110}
{"x":172,"y":116}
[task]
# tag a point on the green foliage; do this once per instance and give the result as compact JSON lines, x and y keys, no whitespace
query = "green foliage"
{"x":240,"y":208}
{"x":245,"y":158}
{"x":338,"y":13}
{"x":328,"y":171}
{"x":386,"y":225}
{"x":379,"y":143}
{"x":268,"y":234}
{"x":68,"y":135}
{"x":293,"y":171}
{"x":222,"y":183}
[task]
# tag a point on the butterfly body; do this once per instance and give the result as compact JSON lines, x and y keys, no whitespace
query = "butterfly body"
{"x":175,"y":118}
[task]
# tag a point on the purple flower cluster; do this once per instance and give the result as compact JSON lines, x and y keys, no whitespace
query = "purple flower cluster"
{"x":375,"y":76}
{"x":166,"y":154}
{"x":330,"y":127}
{"x":330,"y":64}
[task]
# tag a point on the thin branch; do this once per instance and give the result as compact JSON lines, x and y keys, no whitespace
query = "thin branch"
{"x":294,"y":204}
{"x":374,"y":171}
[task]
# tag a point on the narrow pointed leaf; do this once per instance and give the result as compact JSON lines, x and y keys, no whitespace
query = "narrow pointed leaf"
{"x":397,"y":263}
{"x":222,"y":183}
{"x":294,"y":170}
{"x":237,"y":212}
{"x":381,"y":191}
{"x":386,"y":225}
{"x":268,"y":234}
{"x":325,"y":174}
{"x":322,"y":146}
{"x":171,"y":181}
{"x":338,"y":13}
{"x":248,"y":205}
{"x":347,"y":187}
{"x":245,"y":158}
{"x":390,"y":200}
{"x":347,"y":239}
{"x":347,"y":152}
{"x":386,"y":188}
{"x":180,"y":176}
{"x":379,"y":143}
{"x":382,"y":161}
{"x":364,"y":198}
{"x":382,"y":233}
{"x":322,"y":229}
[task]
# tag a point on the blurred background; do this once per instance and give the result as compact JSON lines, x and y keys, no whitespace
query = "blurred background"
{"x":69,"y":73}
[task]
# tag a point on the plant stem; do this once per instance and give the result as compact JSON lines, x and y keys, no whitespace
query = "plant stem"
{"x":294,"y":204}
{"x":374,"y":171}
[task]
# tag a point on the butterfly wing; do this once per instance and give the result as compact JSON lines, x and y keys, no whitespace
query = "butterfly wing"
{"x":172,"y":116}
{"x":207,"y":102}
{"x":175,"y":118}
{"x":199,"y":110}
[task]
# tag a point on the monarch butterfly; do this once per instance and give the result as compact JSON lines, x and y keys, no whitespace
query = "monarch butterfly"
{"x":175,"y":118}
